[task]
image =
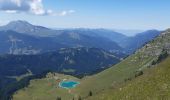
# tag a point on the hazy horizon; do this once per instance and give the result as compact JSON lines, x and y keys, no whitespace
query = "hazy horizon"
{"x":127,"y":32}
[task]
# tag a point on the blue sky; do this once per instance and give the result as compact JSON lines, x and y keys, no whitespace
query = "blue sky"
{"x":111,"y":14}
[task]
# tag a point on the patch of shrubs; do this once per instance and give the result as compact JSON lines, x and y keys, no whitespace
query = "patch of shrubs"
{"x":138,"y":73}
{"x":164,"y":54}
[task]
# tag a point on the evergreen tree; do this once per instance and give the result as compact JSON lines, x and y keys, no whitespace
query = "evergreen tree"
{"x":79,"y":98}
{"x":90,"y":93}
{"x":163,"y":55}
{"x":58,"y":98}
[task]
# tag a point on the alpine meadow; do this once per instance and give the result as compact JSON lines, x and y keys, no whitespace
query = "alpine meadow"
{"x":84,"y":50}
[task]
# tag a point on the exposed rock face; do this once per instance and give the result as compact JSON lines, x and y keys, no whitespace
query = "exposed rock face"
{"x":16,"y":50}
{"x":156,"y":46}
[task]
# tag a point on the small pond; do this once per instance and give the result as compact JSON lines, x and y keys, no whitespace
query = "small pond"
{"x":68,"y":84}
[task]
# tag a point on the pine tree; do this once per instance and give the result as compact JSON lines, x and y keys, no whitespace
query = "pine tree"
{"x":79,"y":98}
{"x":90,"y":93}
{"x":58,"y":98}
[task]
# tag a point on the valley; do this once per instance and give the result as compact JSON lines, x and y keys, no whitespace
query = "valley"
{"x":108,"y":80}
{"x":84,"y":50}
{"x":34,"y":61}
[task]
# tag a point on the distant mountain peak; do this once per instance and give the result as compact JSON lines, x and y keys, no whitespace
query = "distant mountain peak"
{"x":25,"y":27}
{"x":19,"y":22}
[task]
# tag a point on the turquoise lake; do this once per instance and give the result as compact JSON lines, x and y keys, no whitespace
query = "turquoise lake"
{"x":68,"y":84}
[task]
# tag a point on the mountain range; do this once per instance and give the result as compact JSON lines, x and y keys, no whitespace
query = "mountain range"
{"x":142,"y":75}
{"x":28,"y":50}
{"x":147,"y":70}
{"x":21,"y":37}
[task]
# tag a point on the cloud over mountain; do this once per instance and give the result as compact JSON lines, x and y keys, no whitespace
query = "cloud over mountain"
{"x":29,"y":6}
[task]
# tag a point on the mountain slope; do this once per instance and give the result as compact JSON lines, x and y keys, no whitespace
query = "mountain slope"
{"x":28,"y":29}
{"x":109,"y":34}
{"x":66,"y":38}
{"x":17,"y":43}
{"x":74,"y":61}
{"x":24,"y":35}
{"x":153,"y":85}
{"x":81,"y":60}
{"x":131,"y":44}
{"x":141,"y":60}
{"x":82,"y":39}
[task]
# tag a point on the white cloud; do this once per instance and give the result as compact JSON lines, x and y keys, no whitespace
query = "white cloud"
{"x":36,"y":7}
{"x":64,"y":13}
{"x":18,"y":5}
{"x":49,"y":12}
{"x":11,"y":11}
{"x":29,"y":6}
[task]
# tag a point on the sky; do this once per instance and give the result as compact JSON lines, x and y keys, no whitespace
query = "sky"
{"x":110,"y":14}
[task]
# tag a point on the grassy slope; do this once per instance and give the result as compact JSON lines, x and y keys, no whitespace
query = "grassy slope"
{"x":153,"y":85}
{"x":112,"y":76}
{"x":117,"y":74}
{"x":101,"y":81}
